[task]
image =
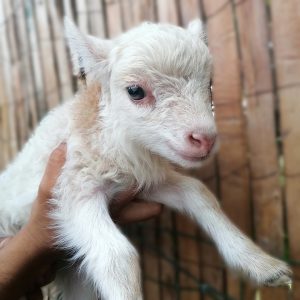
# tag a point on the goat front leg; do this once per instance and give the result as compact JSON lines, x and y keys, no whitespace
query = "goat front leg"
{"x":84,"y":227}
{"x":190,"y":196}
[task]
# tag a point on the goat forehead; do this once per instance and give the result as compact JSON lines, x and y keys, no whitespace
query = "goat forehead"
{"x":169,"y":50}
{"x":162,"y":64}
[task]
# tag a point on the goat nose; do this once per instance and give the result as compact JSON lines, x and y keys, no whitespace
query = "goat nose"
{"x":202,"y":141}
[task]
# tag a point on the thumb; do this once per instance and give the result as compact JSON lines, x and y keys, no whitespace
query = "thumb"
{"x":53,"y":168}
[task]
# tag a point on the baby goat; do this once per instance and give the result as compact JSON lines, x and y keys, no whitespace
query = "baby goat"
{"x":146,"y":107}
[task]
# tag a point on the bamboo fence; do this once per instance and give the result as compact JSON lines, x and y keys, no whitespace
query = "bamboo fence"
{"x":256,"y":49}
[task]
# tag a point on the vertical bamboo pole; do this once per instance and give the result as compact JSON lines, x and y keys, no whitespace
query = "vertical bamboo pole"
{"x":167,"y":11}
{"x":63,"y":66}
{"x":68,"y":11}
{"x":4,"y":114}
{"x":26,"y":70}
{"x":16,"y":87}
{"x":46,"y":51}
{"x":189,"y":10}
{"x":135,"y":12}
{"x":4,"y":102}
{"x":113,"y":17}
{"x":82,"y":15}
{"x":96,"y":18}
{"x":259,"y":100}
{"x":285,"y":29}
{"x":35,"y":58}
{"x":7,"y":77}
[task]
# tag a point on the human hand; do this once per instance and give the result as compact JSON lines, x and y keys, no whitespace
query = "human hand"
{"x":34,"y":267}
{"x":40,"y":235}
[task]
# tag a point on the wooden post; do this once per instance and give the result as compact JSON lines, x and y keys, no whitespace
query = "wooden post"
{"x":7,"y":78}
{"x":167,"y":11}
{"x":114,"y":17}
{"x":96,"y":17}
{"x":15,"y":80}
{"x":60,"y":55}
{"x":285,"y":31}
{"x":35,"y":58}
{"x":68,"y":11}
{"x":46,"y":52}
{"x":260,"y":111}
{"x":26,"y":71}
{"x":189,"y":10}
{"x":137,"y":12}
{"x":4,"y":121}
{"x":82,"y":16}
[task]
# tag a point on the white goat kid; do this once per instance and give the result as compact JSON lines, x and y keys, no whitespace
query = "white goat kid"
{"x":147,"y":105}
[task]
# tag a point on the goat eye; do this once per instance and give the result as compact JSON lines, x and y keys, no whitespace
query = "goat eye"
{"x":136,"y":92}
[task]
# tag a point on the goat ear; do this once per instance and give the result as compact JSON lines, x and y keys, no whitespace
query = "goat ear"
{"x":197,"y":29}
{"x":86,"y":51}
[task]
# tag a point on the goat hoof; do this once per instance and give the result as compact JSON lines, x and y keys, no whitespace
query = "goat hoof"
{"x":280,"y":277}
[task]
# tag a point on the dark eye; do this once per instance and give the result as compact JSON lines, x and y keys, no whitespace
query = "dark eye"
{"x":136,"y":92}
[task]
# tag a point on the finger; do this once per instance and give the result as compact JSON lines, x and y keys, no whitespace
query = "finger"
{"x":54,"y":165}
{"x":121,"y":200}
{"x":138,"y":211}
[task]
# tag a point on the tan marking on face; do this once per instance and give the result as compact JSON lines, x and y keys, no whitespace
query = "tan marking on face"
{"x":86,"y":109}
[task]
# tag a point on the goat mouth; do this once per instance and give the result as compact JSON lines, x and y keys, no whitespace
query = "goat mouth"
{"x":186,"y":157}
{"x":193,"y":158}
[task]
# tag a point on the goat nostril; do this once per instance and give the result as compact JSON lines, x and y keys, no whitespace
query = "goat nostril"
{"x":202,"y":140}
{"x":196,"y":139}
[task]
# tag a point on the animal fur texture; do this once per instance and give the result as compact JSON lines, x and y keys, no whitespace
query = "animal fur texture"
{"x":116,"y":141}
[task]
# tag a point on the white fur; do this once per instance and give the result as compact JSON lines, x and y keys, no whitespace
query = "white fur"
{"x":128,"y":144}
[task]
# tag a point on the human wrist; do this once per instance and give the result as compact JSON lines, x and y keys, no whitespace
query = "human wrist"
{"x":40,"y":243}
{"x":23,"y":259}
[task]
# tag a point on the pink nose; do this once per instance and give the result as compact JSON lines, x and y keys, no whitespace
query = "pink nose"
{"x":202,"y":142}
